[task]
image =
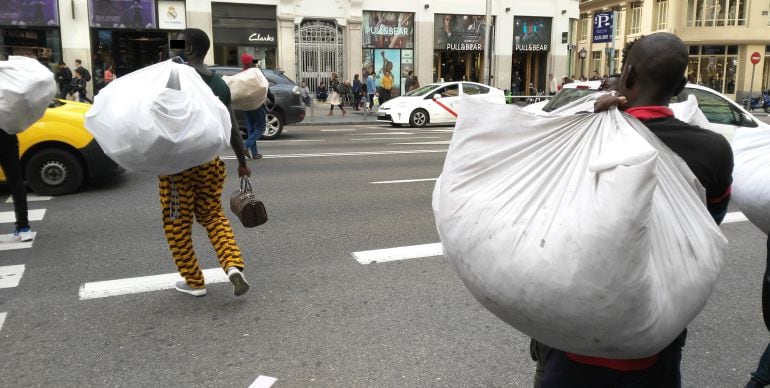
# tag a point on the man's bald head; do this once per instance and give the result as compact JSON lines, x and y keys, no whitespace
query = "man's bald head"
{"x":654,"y":70}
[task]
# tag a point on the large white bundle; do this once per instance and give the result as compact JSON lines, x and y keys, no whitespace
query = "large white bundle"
{"x":26,"y":90}
{"x":751,"y":175}
{"x":584,"y":232}
{"x":248,"y":89}
{"x":162,"y":119}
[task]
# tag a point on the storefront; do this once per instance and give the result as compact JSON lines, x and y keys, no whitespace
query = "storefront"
{"x":244,"y":28}
{"x":388,"y":48}
{"x":531,"y":44}
{"x":131,"y":34}
{"x":766,"y":70}
{"x":714,"y":67}
{"x":31,"y":29}
{"x":459,"y":47}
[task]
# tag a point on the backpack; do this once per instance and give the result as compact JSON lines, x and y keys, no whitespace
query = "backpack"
{"x":86,"y":74}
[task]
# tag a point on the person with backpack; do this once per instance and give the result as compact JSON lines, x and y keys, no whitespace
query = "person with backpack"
{"x":78,"y":85}
{"x":335,"y":99}
{"x":85,"y":76}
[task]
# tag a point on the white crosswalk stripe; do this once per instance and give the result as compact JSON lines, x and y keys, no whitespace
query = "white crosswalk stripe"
{"x":141,"y":284}
{"x":263,"y":382}
{"x":10,"y":275}
{"x":2,"y":320}
{"x":33,"y":215}
{"x":31,"y":198}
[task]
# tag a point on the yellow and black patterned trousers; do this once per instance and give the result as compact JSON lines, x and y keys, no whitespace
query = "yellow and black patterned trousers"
{"x":197,"y":191}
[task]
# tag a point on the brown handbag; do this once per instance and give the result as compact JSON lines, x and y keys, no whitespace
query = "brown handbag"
{"x":246,"y":206}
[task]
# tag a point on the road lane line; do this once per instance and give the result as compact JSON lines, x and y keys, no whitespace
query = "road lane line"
{"x":10,"y":275}
{"x":399,"y":253}
{"x":403,"y":181}
{"x":326,"y":154}
{"x":442,"y":142}
{"x":263,"y":382}
{"x":734,"y":217}
{"x":31,"y":198}
{"x":33,"y":215}
{"x":382,"y":133}
{"x":8,"y":242}
{"x":396,"y":138}
{"x":2,"y":319}
{"x":339,"y":130}
{"x":289,"y":141}
{"x":141,"y":284}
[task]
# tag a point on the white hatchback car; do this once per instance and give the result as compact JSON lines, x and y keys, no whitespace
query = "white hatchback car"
{"x":434,"y":103}
{"x":724,"y":115}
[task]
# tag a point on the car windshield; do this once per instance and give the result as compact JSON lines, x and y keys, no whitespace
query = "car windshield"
{"x":565,"y":96}
{"x":423,"y":90}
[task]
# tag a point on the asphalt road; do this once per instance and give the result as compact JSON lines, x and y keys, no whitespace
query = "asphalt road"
{"x":315,"y":317}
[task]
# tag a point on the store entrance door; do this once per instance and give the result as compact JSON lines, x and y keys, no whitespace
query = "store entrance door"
{"x":459,"y":65}
{"x":531,"y":68}
{"x":127,"y":51}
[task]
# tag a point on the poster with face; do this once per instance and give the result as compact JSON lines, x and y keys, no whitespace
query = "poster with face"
{"x":387,"y":63}
{"x":368,"y":63}
{"x":388,"y":29}
{"x":138,"y":14}
{"x":459,"y":32}
{"x":29,"y":13}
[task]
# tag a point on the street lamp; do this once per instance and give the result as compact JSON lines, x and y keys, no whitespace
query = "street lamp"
{"x":582,"y":54}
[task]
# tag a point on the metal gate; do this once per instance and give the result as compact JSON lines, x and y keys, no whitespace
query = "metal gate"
{"x":319,"y":52}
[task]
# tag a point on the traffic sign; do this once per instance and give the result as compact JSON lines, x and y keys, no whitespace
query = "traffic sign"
{"x":755,"y":57}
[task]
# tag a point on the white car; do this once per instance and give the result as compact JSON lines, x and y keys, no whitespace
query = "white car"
{"x":434,"y":103}
{"x":724,"y":115}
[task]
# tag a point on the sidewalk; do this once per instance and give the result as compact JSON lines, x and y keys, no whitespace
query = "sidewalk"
{"x":317,"y":114}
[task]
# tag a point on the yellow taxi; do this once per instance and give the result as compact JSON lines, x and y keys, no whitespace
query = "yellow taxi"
{"x":58,"y":154}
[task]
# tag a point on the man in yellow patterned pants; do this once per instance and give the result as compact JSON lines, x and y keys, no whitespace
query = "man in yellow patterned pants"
{"x":197,"y":192}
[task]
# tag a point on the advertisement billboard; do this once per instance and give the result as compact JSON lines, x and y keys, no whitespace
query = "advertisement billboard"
{"x":29,"y":12}
{"x":134,"y":14}
{"x":531,"y":33}
{"x":388,"y":29}
{"x":602,"y":32}
{"x":459,"y":32}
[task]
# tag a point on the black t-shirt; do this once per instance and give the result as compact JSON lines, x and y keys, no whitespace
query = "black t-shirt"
{"x":707,"y":153}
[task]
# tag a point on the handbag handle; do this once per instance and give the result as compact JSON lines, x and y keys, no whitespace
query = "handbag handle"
{"x":246,"y":184}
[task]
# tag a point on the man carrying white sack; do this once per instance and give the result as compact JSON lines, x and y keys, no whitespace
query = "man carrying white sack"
{"x":197,"y":192}
{"x":652,"y":75}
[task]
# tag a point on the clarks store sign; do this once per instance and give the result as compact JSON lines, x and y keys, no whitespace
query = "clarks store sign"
{"x":245,"y":36}
{"x":257,"y":37}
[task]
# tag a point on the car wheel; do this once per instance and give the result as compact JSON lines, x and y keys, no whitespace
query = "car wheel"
{"x":418,"y":118}
{"x":395,"y":125}
{"x":767,"y":109}
{"x":54,"y":171}
{"x":273,"y":127}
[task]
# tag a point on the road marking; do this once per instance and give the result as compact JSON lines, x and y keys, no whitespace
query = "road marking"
{"x":33,"y":215}
{"x":31,"y":198}
{"x":141,"y":284}
{"x":10,"y":275}
{"x":397,"y":138}
{"x":263,"y":382}
{"x":263,"y":142}
{"x":399,"y":253}
{"x":382,"y":133}
{"x":734,"y":217}
{"x":361,"y":153}
{"x":442,"y":142}
{"x":403,"y":181}
{"x":440,"y":130}
{"x":9,"y":242}
{"x":340,"y":130}
{"x":2,"y":319}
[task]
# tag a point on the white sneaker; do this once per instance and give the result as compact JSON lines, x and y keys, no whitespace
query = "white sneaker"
{"x":182,"y":287}
{"x":24,"y":234}
{"x":240,"y":286}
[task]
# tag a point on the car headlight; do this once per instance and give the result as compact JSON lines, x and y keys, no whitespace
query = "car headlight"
{"x":295,"y":90}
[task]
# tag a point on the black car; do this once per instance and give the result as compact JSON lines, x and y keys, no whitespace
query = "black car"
{"x":288,"y":101}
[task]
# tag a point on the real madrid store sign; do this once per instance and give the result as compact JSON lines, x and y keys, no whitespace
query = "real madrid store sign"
{"x":459,"y":47}
{"x":244,"y":29}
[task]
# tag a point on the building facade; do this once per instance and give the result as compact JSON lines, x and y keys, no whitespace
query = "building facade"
{"x":435,"y":39}
{"x":721,"y":35}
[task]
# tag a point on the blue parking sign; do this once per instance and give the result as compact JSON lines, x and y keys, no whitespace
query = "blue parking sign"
{"x":602,"y":32}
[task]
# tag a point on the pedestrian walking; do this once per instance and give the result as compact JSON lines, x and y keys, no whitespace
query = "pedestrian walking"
{"x":356,"y":89}
{"x":256,"y":120}
{"x":197,"y":192}
{"x":63,"y":79}
{"x":408,"y":82}
{"x":370,"y":89}
{"x":335,"y":99}
{"x":78,"y":86}
{"x":84,"y":75}
{"x":305,"y":91}
{"x":9,"y":162}
{"x":653,"y":74}
{"x":109,"y":74}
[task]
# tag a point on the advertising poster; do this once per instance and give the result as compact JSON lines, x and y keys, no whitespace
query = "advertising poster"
{"x":531,"y":33}
{"x":135,"y":14}
{"x":29,"y":12}
{"x":459,"y":32}
{"x":388,"y":29}
{"x":407,"y":65}
{"x":388,"y":62}
{"x":171,"y":15}
{"x":368,"y":62}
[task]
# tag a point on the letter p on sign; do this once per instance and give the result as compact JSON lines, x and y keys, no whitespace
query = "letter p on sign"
{"x":755,"y":57}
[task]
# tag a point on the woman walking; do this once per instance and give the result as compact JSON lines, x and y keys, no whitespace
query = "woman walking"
{"x":335,"y":99}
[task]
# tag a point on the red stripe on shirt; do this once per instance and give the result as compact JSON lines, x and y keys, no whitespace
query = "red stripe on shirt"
{"x":650,"y":112}
{"x":722,"y":198}
{"x":621,"y":365}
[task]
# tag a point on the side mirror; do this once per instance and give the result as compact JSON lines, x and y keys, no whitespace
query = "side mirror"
{"x":436,"y":96}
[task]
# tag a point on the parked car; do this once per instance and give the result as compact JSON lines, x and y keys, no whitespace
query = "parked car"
{"x":288,"y":101}
{"x":723,"y":114}
{"x":58,"y":154}
{"x":434,"y":103}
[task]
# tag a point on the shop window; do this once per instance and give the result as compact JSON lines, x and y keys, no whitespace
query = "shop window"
{"x":714,"y":67}
{"x":41,"y":44}
{"x":660,"y":16}
{"x":596,"y":62}
{"x":474,"y":89}
{"x":635,"y":18}
{"x":584,"y":27}
{"x":716,"y":13}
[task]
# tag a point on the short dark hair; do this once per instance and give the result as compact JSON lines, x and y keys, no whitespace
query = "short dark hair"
{"x":78,"y":61}
{"x":198,"y":40}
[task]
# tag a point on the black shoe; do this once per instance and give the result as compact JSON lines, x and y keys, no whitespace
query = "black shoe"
{"x":754,"y":384}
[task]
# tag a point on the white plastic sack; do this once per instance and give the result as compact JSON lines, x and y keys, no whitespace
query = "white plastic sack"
{"x":584,"y":232}
{"x":145,"y":124}
{"x":248,"y":89}
{"x":26,"y":90}
{"x":689,"y":112}
{"x":751,"y":175}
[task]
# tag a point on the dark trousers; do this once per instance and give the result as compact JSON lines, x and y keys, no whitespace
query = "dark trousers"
{"x":766,"y":289}
{"x":9,"y":162}
{"x":562,"y":372}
